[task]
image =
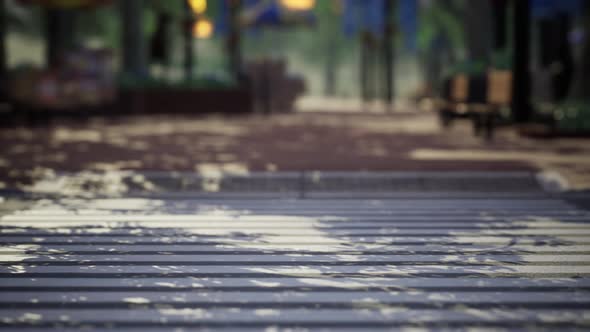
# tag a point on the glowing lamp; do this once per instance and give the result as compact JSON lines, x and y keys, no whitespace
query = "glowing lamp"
{"x":298,"y":5}
{"x":203,"y":29}
{"x":198,"y":6}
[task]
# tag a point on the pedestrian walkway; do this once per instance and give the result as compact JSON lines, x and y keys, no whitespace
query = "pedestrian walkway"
{"x":404,"y":142}
{"x":503,"y":259}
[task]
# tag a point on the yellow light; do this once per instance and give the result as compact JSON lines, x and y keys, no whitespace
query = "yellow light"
{"x":198,"y":6}
{"x":203,"y":29}
{"x":298,"y":4}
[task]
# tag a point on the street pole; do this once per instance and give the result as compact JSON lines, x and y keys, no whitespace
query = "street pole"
{"x":3,"y":57}
{"x":389,"y":52}
{"x":580,"y":88}
{"x":134,"y":45}
{"x":188,"y":42}
{"x":234,"y":47}
{"x":521,"y":107}
{"x":365,"y":63}
{"x":500,"y":13}
{"x":478,"y":29}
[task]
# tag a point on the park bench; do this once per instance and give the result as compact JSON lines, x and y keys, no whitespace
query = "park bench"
{"x":498,"y":96}
{"x":459,"y":92}
{"x":479,"y":98}
{"x":451,"y":96}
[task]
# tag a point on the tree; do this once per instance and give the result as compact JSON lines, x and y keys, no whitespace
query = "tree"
{"x":388,"y":50}
{"x":478,"y":30}
{"x":60,"y":33}
{"x":2,"y":48}
{"x":234,"y":41}
{"x":133,"y":41}
{"x":331,"y":41}
{"x":441,"y":38}
{"x":521,"y":107}
{"x":580,"y":88}
{"x":188,"y":41}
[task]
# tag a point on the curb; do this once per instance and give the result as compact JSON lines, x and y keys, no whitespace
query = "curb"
{"x":297,"y":184}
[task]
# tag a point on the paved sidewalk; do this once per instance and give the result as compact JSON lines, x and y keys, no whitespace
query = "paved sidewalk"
{"x":295,"y":142}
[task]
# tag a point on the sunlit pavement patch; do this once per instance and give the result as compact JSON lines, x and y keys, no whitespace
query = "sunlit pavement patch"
{"x":568,"y":170}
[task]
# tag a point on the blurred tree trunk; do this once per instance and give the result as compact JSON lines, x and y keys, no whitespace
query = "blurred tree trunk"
{"x":3,"y":56}
{"x":61,"y":28}
{"x":329,"y":43}
{"x":500,"y":14}
{"x":188,"y":42}
{"x":478,"y":30}
{"x":521,"y":106}
{"x":581,"y":88}
{"x":52,"y":37}
{"x":365,"y":58}
{"x":234,"y":41}
{"x":456,"y":11}
{"x":134,"y":44}
{"x":389,"y":51}
{"x":563,"y":76}
{"x":434,"y":59}
{"x":331,"y":67}
{"x":440,"y":53}
{"x":369,"y":62}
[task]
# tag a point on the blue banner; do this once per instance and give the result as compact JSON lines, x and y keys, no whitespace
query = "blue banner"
{"x":222,"y":19}
{"x":260,"y":13}
{"x":366,"y":15}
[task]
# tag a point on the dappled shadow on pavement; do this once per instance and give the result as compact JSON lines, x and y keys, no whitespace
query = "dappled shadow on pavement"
{"x":279,"y":143}
{"x":292,"y":142}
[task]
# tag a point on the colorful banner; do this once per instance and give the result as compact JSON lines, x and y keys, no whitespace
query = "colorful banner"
{"x":260,"y":13}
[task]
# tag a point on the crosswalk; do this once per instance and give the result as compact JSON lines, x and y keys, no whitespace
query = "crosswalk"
{"x":352,"y":264}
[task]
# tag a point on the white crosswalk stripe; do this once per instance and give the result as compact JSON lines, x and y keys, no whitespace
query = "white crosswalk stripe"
{"x":152,"y":264}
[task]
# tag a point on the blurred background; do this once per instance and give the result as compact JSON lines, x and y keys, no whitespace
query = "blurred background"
{"x":88,"y":51}
{"x":123,"y":83}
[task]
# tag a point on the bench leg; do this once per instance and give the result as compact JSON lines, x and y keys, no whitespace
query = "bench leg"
{"x":477,"y":123}
{"x":445,"y":118}
{"x":489,"y":125}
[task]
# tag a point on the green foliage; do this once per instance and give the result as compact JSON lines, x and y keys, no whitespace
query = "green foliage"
{"x":573,"y":116}
{"x":127,"y":82}
{"x":101,"y":23}
{"x":24,"y":20}
{"x":469,"y":68}
{"x":439,"y":19}
{"x":502,"y":60}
